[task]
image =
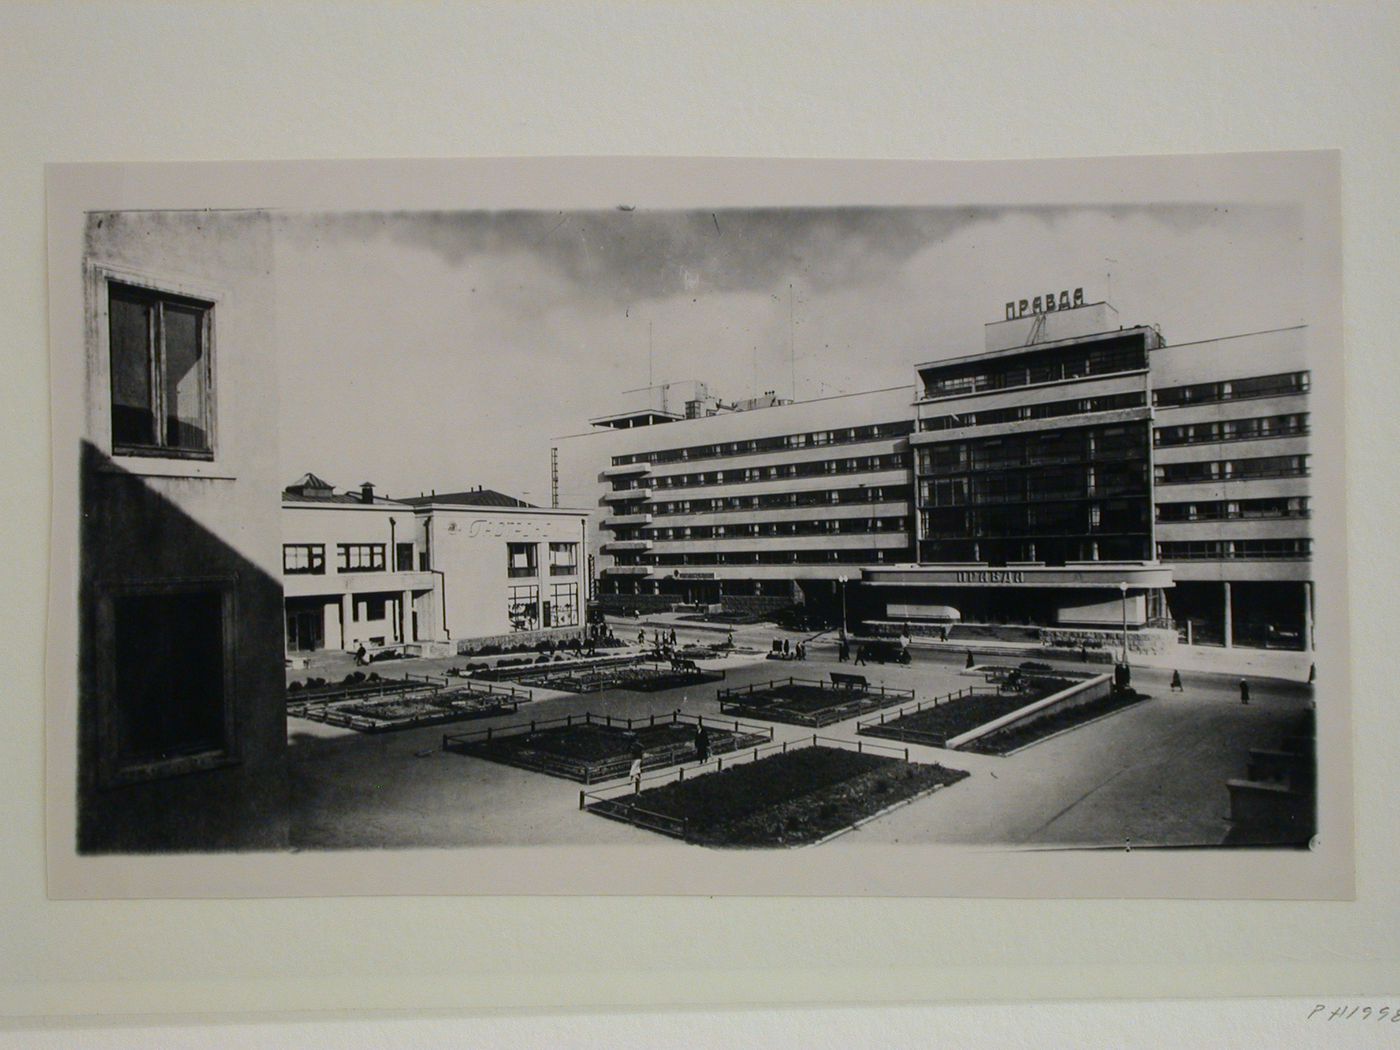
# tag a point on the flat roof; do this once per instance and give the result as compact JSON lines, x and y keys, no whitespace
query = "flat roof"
{"x":1010,"y":351}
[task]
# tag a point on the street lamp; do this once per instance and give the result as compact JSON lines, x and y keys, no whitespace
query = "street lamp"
{"x":1123,"y":590}
{"x":842,"y":578}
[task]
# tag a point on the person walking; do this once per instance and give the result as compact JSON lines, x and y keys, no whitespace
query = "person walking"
{"x":843,"y":652}
{"x":787,"y":648}
{"x":673,"y":637}
{"x":638,"y":752}
{"x":1244,"y":691}
{"x":702,"y":744}
{"x":1176,"y":682}
{"x":860,"y":656}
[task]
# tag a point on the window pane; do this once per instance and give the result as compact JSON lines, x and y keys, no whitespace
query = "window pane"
{"x":169,"y":675}
{"x":130,"y":337}
{"x":184,"y":378}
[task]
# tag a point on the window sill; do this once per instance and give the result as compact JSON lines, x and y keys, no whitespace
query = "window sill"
{"x":166,"y":467}
{"x":139,"y":773}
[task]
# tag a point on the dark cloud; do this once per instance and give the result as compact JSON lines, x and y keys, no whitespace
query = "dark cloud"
{"x":630,"y":257}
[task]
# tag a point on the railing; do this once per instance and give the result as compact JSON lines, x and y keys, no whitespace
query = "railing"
{"x":612,"y":802}
{"x":609,"y":767}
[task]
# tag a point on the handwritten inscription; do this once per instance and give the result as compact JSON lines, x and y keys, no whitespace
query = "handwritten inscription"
{"x":1322,"y":1012}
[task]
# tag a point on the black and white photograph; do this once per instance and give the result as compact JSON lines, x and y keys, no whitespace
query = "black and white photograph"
{"x":712,"y":527}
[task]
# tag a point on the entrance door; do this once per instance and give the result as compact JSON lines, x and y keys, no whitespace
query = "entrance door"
{"x":304,"y":631}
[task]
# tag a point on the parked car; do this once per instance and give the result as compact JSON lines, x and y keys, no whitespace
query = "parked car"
{"x":886,"y":652}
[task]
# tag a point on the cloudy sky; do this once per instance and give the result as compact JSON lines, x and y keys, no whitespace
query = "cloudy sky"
{"x":444,"y":350}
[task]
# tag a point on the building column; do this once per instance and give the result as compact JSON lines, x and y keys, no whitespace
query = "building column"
{"x":1307,"y":616}
{"x":347,"y":617}
{"x":1229,"y":618}
{"x":406,"y":617}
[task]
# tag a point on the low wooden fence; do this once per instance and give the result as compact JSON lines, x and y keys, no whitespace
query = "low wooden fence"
{"x":332,"y":710}
{"x":744,"y":735}
{"x":619,"y":802}
{"x":846,"y":703}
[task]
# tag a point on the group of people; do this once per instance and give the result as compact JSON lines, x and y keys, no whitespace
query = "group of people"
{"x":790,"y":651}
{"x":843,"y":653}
{"x":639,"y":752}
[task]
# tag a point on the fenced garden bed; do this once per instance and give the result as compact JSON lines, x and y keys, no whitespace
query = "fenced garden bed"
{"x":808,"y":702}
{"x":408,"y":704}
{"x":949,"y":721}
{"x":638,"y":676}
{"x":591,"y":748}
{"x":1015,"y":737}
{"x":787,"y":794}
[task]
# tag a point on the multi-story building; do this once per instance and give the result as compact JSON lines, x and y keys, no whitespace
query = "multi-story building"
{"x":1074,"y":473}
{"x":757,"y":506}
{"x":425,"y":572}
{"x":181,"y":709}
{"x":352,"y":571}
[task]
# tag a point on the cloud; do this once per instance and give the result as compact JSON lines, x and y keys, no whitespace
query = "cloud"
{"x":623,"y":258}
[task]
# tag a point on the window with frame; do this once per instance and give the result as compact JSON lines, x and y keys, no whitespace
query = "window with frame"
{"x":522,"y":559}
{"x":360,"y":557}
{"x":522,"y":607}
{"x":563,"y":559}
{"x":563,"y":598}
{"x":304,"y":559}
{"x":160,"y":361}
{"x":167,"y":691}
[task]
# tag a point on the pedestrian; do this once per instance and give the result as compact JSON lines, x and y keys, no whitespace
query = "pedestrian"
{"x":970,"y":661}
{"x":843,"y":652}
{"x":361,"y":656}
{"x":1083,"y":654}
{"x":636,"y":771}
{"x":641,"y":636}
{"x":673,"y":637}
{"x":702,"y":744}
{"x":1176,"y":682}
{"x":801,"y":651}
{"x":860,"y":656}
{"x":730,"y":639}
{"x":1312,"y":673}
{"x":787,"y":648}
{"x":1244,"y":691}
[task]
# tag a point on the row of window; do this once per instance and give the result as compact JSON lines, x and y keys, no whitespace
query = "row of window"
{"x":1045,"y":550}
{"x":1232,"y":430}
{"x":782,"y":500}
{"x":1010,"y":451}
{"x":772,"y":472}
{"x":1232,"y":469}
{"x":1220,"y":550}
{"x":522,"y":559}
{"x":1225,"y":510}
{"x":1021,"y":486}
{"x":1047,"y":410}
{"x":1108,"y":517}
{"x":1278,"y":385}
{"x":811,"y":439}
{"x":527,"y":613}
{"x":309,"y":559}
{"x":1121,"y":354}
{"x":750,"y":530}
{"x":771,"y":557}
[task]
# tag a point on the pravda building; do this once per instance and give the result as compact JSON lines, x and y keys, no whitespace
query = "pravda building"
{"x":1074,"y":475}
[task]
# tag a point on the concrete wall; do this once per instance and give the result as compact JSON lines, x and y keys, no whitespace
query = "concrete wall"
{"x":152,"y":523}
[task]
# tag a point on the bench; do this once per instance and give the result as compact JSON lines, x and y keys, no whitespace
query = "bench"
{"x":852,"y":682}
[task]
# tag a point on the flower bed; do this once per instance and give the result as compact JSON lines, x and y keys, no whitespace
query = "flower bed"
{"x":934,"y":724}
{"x":409,"y":709}
{"x":808,"y":703}
{"x":637,"y":678}
{"x":590,"y":749}
{"x":786,"y":799}
{"x":1015,"y":737}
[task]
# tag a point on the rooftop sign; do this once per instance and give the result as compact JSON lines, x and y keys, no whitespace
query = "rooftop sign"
{"x":1044,"y":304}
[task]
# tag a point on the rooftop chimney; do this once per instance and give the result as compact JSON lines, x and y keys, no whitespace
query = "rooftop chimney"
{"x":366,"y":492}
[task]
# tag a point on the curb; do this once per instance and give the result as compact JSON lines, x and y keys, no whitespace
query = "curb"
{"x":878,"y":814}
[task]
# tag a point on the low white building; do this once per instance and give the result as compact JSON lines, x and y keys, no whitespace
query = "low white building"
{"x":507,"y":568}
{"x":360,"y":569}
{"x":352,"y":573}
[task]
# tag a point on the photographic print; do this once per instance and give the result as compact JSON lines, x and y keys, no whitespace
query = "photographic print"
{"x":665,"y":526}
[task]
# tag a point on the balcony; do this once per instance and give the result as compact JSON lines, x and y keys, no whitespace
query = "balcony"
{"x":622,"y":520}
{"x":626,"y":545}
{"x":626,"y":495}
{"x":627,"y":570}
{"x":627,"y":470}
